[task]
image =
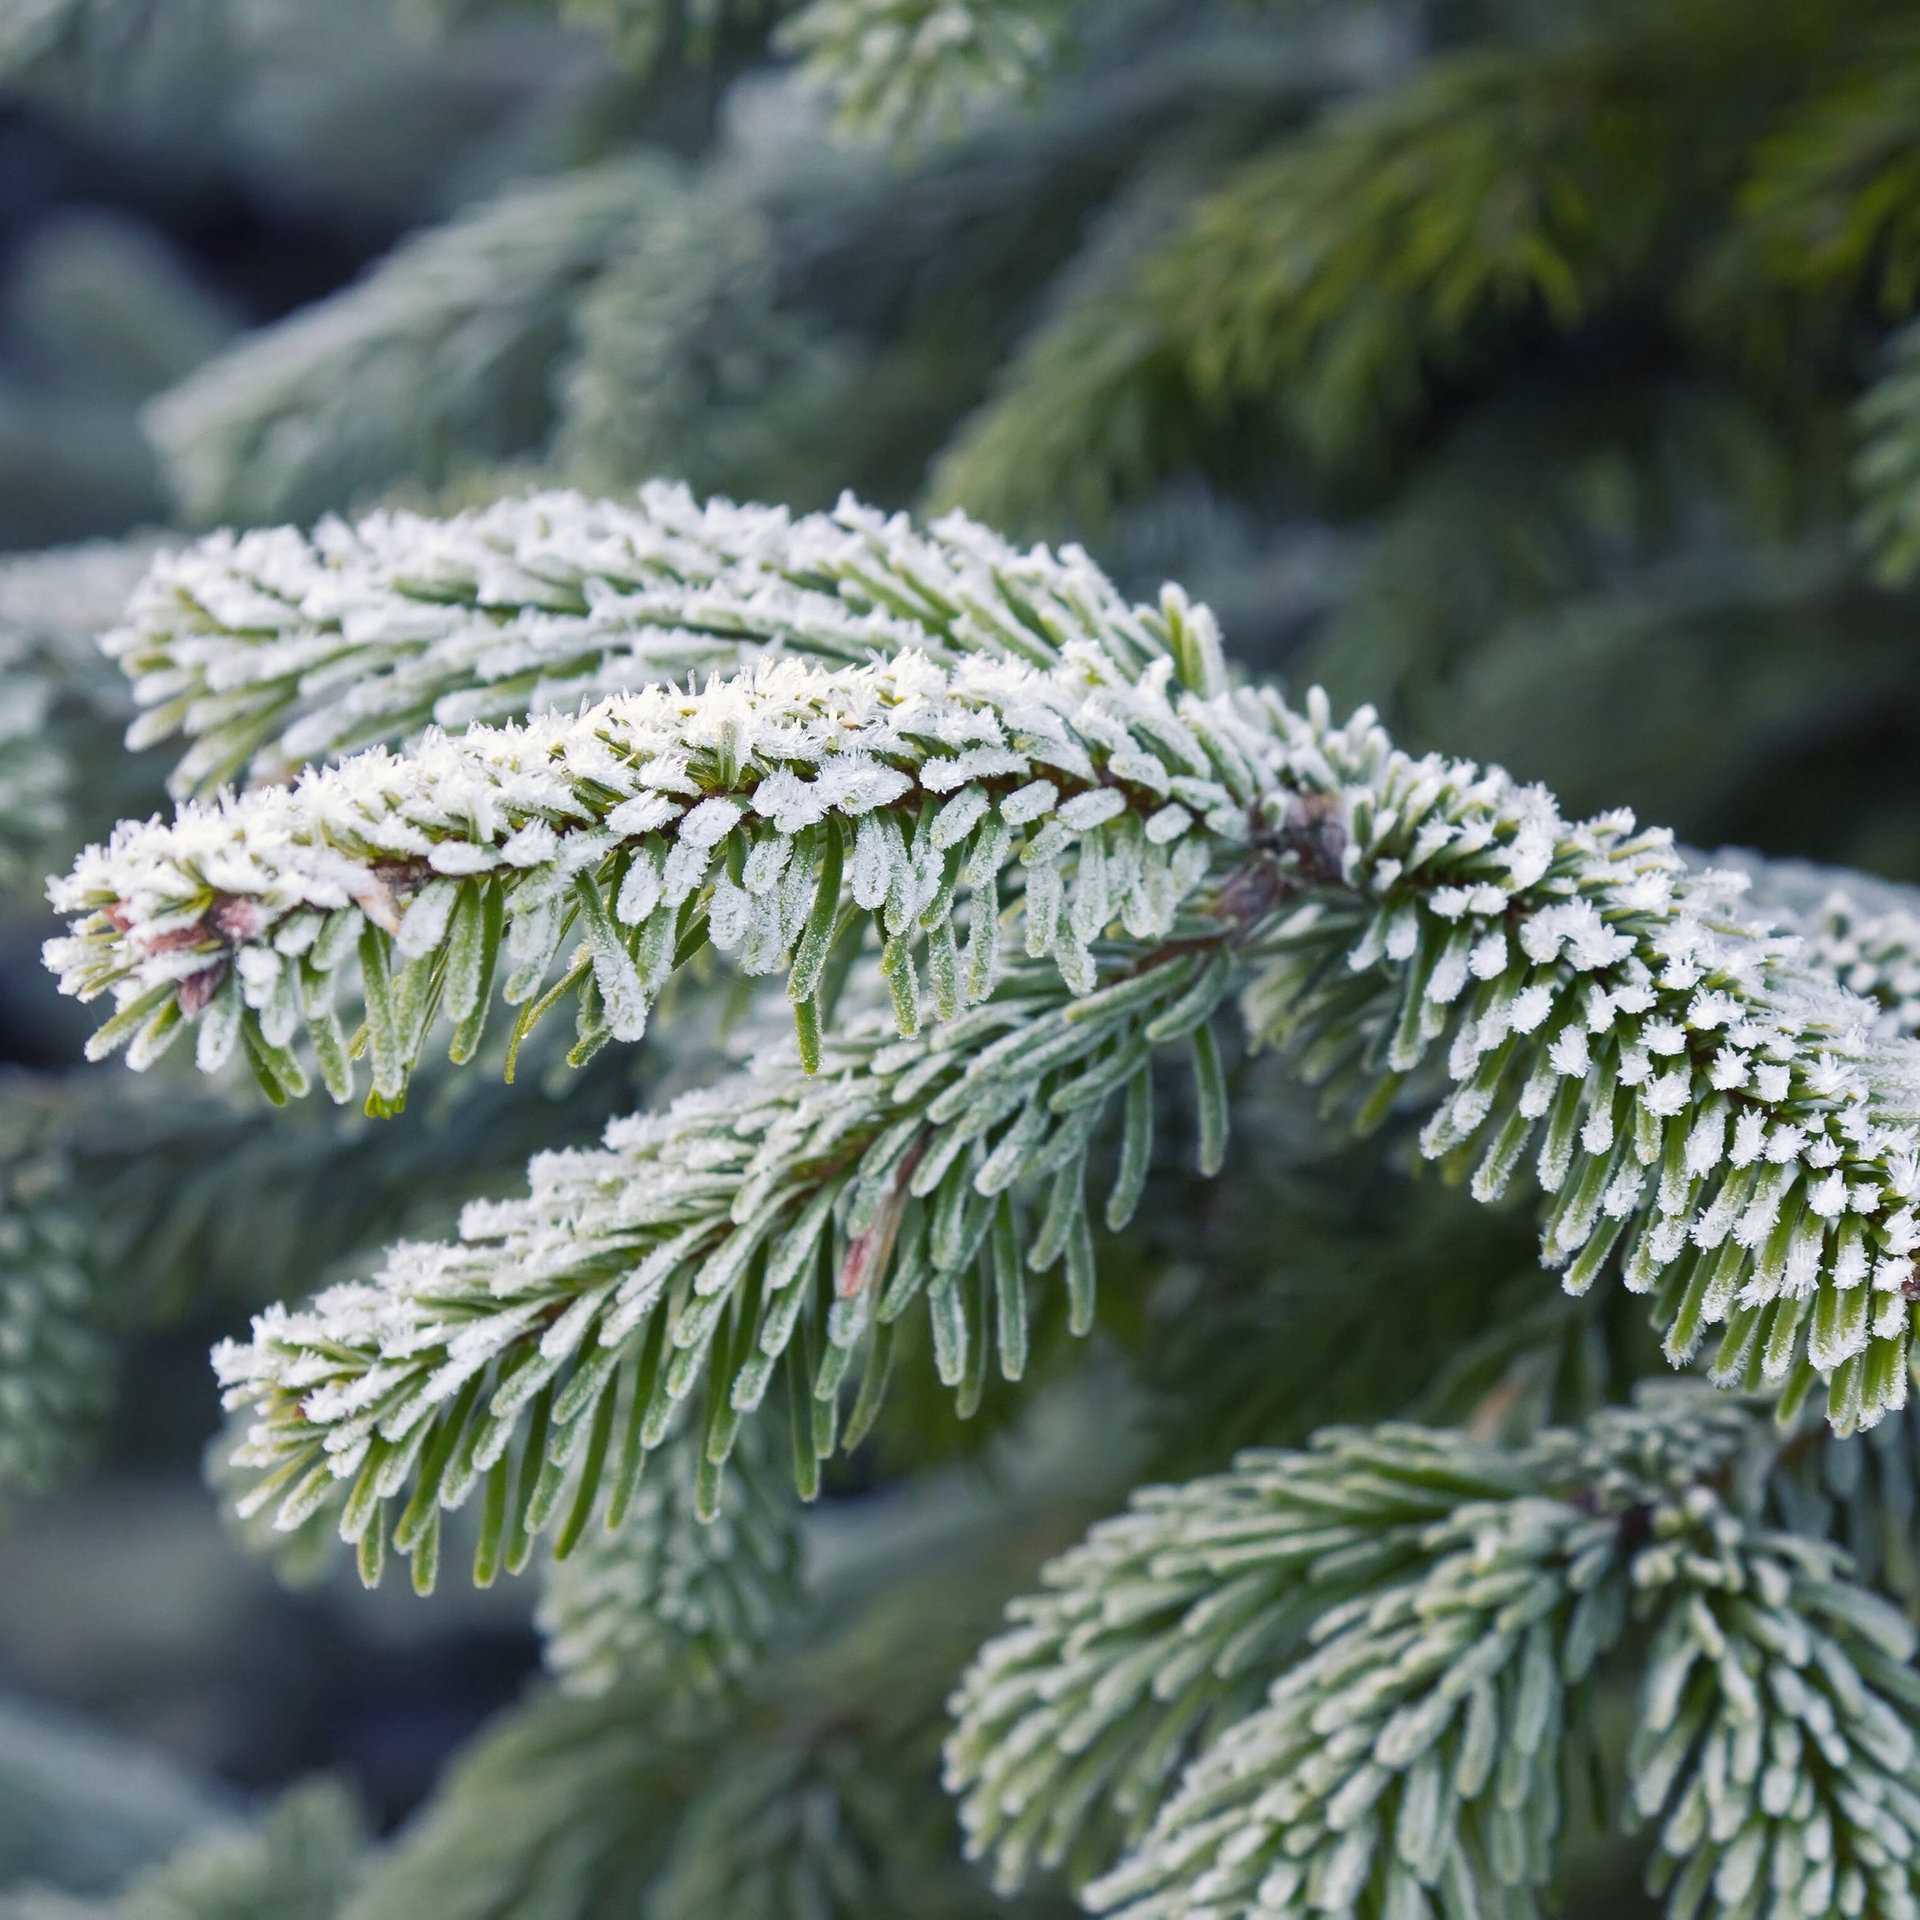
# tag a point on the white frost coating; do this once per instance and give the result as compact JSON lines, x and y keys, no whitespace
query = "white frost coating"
{"x":1628,"y":1152}
{"x":1603,"y":1015}
{"x":563,"y":800}
{"x":1579,"y":1054}
{"x":269,"y":649}
{"x":1863,"y":931}
{"x":770,"y":1157}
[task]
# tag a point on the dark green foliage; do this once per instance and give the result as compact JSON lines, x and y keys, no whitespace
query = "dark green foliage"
{"x":1440,"y":1616}
{"x":1829,"y":204}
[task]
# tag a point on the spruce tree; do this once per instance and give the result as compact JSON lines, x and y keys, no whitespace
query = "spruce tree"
{"x":1145,"y":1284}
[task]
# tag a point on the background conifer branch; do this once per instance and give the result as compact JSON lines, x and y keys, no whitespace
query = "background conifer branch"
{"x":1437,"y":1615}
{"x":454,"y":330}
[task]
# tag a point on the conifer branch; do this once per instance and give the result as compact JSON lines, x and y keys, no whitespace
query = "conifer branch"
{"x":1424,"y":1618}
{"x":1096,"y":406}
{"x":124,"y":1206}
{"x":906,"y":70}
{"x":649,"y":35}
{"x":1629,"y":526}
{"x":793,"y":787}
{"x":55,"y":1359}
{"x":1328,"y":285}
{"x":1829,"y":206}
{"x":811,"y":1793}
{"x":270,"y":650}
{"x":51,"y":606}
{"x":1861,"y":932}
{"x":442,"y":351}
{"x":687,"y":361}
{"x":777,"y":1220}
{"x":557,"y":1808}
{"x":814,"y":1824}
{"x":1326,"y":281}
{"x":301,"y":1861}
{"x":1167,"y":1626}
{"x":1722,"y":1118}
{"x":1777,"y":1731}
{"x":604,"y":1242}
{"x":1671,"y":1165}
{"x":1015,"y":847}
{"x":34,"y":776}
{"x":1859,"y":1492}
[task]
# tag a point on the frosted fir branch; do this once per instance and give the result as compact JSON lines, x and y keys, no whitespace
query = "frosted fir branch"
{"x":1357,"y":1658}
{"x":267,"y":650}
{"x":1366,"y":1658}
{"x":1695,"y":1101}
{"x":1859,"y":930}
{"x":1868,"y":939}
{"x":1411,"y":1755}
{"x":119,"y":1202}
{"x":671,"y":1598}
{"x":1168,"y":1623}
{"x":775,"y":1222}
{"x":1795,"y":1791}
{"x":1689,"y":1095}
{"x":910,"y":69}
{"x":444,"y":348}
{"x":767,"y":813}
{"x":1779,"y":1726}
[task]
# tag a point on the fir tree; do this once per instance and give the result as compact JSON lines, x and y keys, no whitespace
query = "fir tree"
{"x":1429,"y":1256}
